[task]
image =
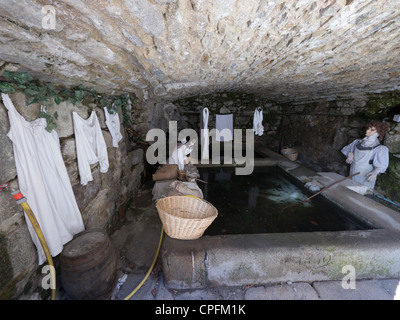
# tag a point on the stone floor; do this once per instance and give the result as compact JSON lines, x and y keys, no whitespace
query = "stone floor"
{"x":136,"y":240}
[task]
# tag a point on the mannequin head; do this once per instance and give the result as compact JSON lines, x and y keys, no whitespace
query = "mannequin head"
{"x":375,"y":126}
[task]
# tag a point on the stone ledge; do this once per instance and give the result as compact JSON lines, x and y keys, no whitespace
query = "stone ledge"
{"x":235,"y":260}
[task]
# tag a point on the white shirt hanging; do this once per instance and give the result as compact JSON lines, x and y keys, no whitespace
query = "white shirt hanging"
{"x":257,"y":123}
{"x":90,"y":146}
{"x":113,"y":125}
{"x":44,"y":181}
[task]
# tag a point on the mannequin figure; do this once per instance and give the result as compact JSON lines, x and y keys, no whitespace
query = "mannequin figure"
{"x":367,"y":155}
{"x":179,"y":155}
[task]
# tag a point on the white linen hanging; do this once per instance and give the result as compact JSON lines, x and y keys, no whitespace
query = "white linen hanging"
{"x":224,"y":126}
{"x":205,"y":141}
{"x":113,"y":125}
{"x":90,"y":146}
{"x":44,"y":181}
{"x":257,"y":123}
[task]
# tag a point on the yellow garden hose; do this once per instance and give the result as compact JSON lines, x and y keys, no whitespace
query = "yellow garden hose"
{"x":17,"y":195}
{"x":43,"y":242}
{"x":150,"y":269}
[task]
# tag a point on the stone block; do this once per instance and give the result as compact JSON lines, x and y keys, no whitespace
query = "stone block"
{"x":183,"y":266}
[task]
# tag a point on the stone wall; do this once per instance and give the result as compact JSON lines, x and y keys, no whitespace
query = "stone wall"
{"x":241,"y":105}
{"x":170,"y":49}
{"x":98,"y":201}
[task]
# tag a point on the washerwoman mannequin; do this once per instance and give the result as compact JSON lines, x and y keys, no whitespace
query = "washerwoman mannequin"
{"x":367,"y":155}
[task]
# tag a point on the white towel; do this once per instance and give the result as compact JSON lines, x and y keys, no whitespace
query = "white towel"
{"x":257,"y":123}
{"x":205,"y":142}
{"x":224,"y":126}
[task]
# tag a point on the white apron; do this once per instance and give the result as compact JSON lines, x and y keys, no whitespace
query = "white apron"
{"x":362,"y":156}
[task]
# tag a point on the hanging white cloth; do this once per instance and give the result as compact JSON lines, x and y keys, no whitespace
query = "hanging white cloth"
{"x":113,"y":125}
{"x":257,"y":123}
{"x":205,"y":141}
{"x":224,"y":126}
{"x":90,"y":146}
{"x":44,"y":181}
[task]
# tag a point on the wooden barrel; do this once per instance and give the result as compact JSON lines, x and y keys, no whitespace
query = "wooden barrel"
{"x":88,"y":266}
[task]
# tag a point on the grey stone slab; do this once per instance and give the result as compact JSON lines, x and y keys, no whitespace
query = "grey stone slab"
{"x":164,"y":294}
{"x":148,"y":291}
{"x":364,"y":290}
{"x":199,"y":294}
{"x":392,"y":287}
{"x":295,"y":291}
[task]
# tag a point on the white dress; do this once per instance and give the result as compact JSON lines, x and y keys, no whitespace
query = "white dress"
{"x":90,"y":146}
{"x":44,"y":181}
{"x":113,"y":125}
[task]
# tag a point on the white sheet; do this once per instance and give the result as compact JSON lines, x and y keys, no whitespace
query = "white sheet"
{"x":224,"y":126}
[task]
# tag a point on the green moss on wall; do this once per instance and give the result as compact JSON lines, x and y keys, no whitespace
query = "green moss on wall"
{"x":380,"y":105}
{"x":389,"y":182}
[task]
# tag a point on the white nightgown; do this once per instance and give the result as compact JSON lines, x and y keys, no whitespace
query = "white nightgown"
{"x":44,"y":181}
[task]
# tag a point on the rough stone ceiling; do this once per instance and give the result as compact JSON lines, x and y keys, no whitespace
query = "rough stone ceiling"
{"x":288,"y":51}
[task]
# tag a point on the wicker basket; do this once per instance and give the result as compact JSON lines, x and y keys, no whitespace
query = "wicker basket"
{"x":185,"y":217}
{"x":290,"y":153}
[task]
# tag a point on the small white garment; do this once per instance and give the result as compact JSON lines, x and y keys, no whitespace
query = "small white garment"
{"x":113,"y":125}
{"x":257,"y":123}
{"x":224,"y":126}
{"x":44,"y":181}
{"x":178,"y":156}
{"x":90,"y":146}
{"x":205,"y":141}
